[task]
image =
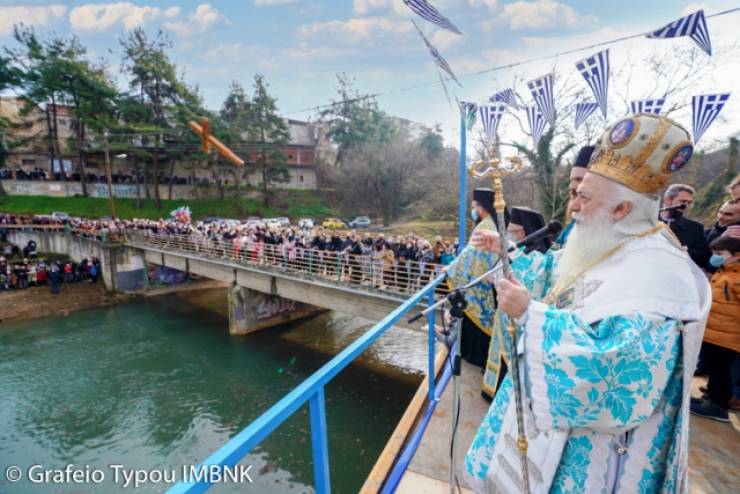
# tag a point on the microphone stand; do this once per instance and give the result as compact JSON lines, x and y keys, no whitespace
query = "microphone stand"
{"x":457,"y":311}
{"x":477,"y":281}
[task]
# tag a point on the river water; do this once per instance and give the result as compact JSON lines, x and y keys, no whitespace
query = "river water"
{"x":159,"y":383}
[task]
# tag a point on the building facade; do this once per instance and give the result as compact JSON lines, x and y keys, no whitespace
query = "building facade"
{"x":30,"y":158}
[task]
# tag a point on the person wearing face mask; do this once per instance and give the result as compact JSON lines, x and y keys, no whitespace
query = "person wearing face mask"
{"x":689,"y":232}
{"x":477,"y":325}
{"x":526,"y":221}
{"x":721,"y":344}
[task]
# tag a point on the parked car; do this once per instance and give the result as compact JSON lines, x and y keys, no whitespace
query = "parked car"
{"x":306,"y":223}
{"x":282,"y":221}
{"x":212,"y":219}
{"x":253,"y":218}
{"x":60,"y":215}
{"x":333,"y":223}
{"x":360,"y":222}
{"x":271,"y":222}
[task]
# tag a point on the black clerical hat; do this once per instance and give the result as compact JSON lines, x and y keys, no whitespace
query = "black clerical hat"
{"x":527,"y":218}
{"x":485,"y":198}
{"x":584,"y":157}
{"x":531,"y":221}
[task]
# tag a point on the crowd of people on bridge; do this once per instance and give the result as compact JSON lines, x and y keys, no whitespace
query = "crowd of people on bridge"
{"x":403,"y":262}
{"x":400,"y":262}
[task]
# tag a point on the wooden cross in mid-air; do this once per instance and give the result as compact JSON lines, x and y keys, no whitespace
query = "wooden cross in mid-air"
{"x":203,"y":130}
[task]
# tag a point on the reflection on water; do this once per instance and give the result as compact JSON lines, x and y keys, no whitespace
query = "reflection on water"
{"x":160,"y":383}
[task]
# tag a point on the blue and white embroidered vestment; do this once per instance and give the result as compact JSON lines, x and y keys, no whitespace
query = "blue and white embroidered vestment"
{"x":607,"y":369}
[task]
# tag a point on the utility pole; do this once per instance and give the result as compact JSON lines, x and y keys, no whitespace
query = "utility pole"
{"x":111,"y":203}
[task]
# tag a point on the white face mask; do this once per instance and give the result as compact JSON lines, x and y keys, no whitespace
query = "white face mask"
{"x":511,"y":238}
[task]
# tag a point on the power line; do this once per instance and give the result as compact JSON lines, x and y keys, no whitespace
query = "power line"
{"x":491,"y":69}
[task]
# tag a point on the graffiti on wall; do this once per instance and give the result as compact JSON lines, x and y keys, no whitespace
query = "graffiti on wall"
{"x":119,"y":190}
{"x":274,"y":306}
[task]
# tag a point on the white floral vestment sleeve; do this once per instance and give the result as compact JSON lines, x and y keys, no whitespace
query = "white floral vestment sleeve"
{"x":608,"y":376}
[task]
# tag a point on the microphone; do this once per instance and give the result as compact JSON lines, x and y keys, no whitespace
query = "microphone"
{"x":552,"y":228}
{"x":677,"y":207}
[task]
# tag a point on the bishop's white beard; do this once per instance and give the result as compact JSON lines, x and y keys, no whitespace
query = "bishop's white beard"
{"x":588,"y":241}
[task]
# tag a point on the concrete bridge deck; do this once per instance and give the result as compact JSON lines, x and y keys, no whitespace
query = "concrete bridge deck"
{"x":328,"y":283}
{"x":356,"y":285}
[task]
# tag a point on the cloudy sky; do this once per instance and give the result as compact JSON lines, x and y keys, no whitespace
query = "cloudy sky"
{"x":301,"y":44}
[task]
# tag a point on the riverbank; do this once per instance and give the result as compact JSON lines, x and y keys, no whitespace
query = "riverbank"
{"x":31,"y":303}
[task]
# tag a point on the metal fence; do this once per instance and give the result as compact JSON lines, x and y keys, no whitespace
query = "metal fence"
{"x":399,"y":276}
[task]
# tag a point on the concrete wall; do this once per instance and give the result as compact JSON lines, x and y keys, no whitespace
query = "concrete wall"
{"x":251,"y":311}
{"x":300,"y":178}
{"x":318,"y":293}
{"x":69,"y":189}
{"x":122,"y":268}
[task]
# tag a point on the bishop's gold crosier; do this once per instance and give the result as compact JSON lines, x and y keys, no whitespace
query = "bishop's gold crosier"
{"x":496,"y":170}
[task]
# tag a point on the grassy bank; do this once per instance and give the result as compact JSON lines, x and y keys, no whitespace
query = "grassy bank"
{"x":291,"y":203}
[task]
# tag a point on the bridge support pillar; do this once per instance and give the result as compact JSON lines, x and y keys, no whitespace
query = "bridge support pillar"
{"x":251,"y":311}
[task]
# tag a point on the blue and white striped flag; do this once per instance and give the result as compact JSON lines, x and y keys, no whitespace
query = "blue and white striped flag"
{"x":536,"y":123}
{"x":441,"y":62}
{"x":705,"y":109}
{"x":506,"y":96}
{"x":490,"y":117}
{"x":542,"y":92}
{"x":428,"y":12}
{"x":694,"y":25}
{"x":647,"y":105}
{"x":595,"y":69}
{"x":583,"y":111}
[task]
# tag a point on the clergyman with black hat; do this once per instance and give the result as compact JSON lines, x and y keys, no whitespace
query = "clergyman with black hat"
{"x":577,"y":172}
{"x":610,"y":328}
{"x":471,"y":263}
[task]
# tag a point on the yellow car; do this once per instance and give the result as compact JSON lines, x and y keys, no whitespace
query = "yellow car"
{"x":333,"y":223}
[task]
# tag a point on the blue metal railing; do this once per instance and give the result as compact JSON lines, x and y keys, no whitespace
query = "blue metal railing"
{"x":312,"y":391}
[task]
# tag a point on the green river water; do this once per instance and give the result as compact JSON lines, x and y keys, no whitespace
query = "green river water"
{"x":159,"y":383}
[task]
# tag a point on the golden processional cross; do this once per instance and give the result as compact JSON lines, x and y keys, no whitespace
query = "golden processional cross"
{"x":496,"y":169}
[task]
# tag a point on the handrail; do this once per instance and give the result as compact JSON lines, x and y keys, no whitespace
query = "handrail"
{"x":312,"y":391}
{"x":400,"y":276}
{"x":104,"y":236}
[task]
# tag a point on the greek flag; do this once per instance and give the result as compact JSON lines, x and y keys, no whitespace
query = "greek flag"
{"x":490,"y":117}
{"x":470,"y":112}
{"x":694,"y":25}
{"x":425,"y":10}
{"x":705,"y":109}
{"x":583,"y":111}
{"x":595,"y":69}
{"x":647,"y":105}
{"x":441,"y":62}
{"x":506,"y":96}
{"x":536,"y":123}
{"x":541,"y":90}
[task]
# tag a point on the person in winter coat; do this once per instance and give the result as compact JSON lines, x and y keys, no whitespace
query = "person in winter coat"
{"x":722,"y":335}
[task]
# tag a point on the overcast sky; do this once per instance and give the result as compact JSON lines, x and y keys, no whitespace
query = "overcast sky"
{"x":299,"y":45}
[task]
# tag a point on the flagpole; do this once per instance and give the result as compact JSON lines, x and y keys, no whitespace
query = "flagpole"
{"x":463,"y":213}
